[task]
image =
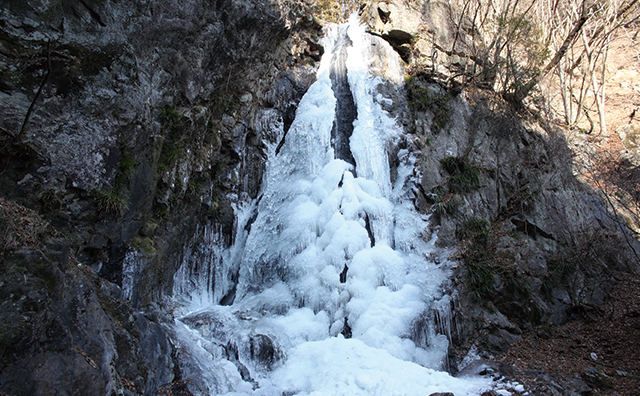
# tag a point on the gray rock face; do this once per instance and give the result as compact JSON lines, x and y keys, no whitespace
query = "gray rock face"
{"x":125,"y":118}
{"x":65,"y":330}
{"x":421,"y":32}
{"x":396,"y":22}
{"x":109,"y":70}
{"x":127,"y":125}
{"x":535,"y":244}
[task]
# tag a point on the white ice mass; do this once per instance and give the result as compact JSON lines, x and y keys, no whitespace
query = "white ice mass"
{"x":330,"y":289}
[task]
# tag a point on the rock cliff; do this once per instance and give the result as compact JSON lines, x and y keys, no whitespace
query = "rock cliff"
{"x":126,"y":126}
{"x":115,"y":116}
{"x":537,"y":245}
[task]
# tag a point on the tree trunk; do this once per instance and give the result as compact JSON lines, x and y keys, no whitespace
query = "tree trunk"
{"x":571,"y":37}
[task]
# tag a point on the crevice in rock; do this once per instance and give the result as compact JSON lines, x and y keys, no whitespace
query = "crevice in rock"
{"x":94,"y":15}
{"x":230,"y":297}
{"x":264,"y":350}
{"x":530,"y":229}
{"x":287,"y":118}
{"x":399,"y":40}
{"x":384,"y":15}
{"x":346,"y":110}
{"x":367,"y":225}
{"x":233,"y":356}
{"x":343,"y":274}
{"x":346,"y":329}
{"x":254,"y":216}
{"x":279,"y":147}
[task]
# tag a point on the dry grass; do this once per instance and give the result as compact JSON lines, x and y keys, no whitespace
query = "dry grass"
{"x":22,"y":227}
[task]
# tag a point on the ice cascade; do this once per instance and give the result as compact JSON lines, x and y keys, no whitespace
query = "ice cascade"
{"x":328,"y":287}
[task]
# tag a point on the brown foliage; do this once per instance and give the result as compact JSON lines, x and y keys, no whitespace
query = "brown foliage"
{"x":21,"y":227}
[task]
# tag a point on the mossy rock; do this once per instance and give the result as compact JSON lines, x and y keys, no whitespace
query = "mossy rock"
{"x":630,"y":135}
{"x":144,"y":245}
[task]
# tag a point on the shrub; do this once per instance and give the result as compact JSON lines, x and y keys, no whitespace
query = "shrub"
{"x":479,"y":277}
{"x":168,"y":156}
{"x":424,"y":99}
{"x":50,"y":200}
{"x":194,"y":189}
{"x":453,"y":165}
{"x":465,"y":181}
{"x":170,"y":115}
{"x":464,"y":176}
{"x":473,"y":227}
{"x":483,"y":265}
{"x":448,"y":205}
{"x":125,"y":171}
{"x":111,"y":202}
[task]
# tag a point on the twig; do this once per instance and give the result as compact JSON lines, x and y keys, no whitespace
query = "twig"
{"x":33,"y":103}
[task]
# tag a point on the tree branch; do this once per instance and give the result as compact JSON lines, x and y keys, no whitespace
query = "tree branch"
{"x":20,"y":135}
{"x":568,"y":41}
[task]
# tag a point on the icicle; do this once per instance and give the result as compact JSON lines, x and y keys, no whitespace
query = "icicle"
{"x":132,"y":267}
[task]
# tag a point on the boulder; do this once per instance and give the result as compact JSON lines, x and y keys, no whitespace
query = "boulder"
{"x":396,"y":22}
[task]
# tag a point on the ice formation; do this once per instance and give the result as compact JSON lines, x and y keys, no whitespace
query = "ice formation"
{"x":329,"y":289}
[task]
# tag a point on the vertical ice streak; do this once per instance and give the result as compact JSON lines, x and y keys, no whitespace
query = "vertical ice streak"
{"x":131,"y":269}
{"x":332,"y":292}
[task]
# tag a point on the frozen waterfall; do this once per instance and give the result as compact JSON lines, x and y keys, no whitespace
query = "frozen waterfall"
{"x":327,"y":288}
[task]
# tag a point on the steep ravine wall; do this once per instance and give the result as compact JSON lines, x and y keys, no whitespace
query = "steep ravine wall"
{"x":144,"y":123}
{"x":535,"y":245}
{"x":129,"y":127}
{"x":126,"y":126}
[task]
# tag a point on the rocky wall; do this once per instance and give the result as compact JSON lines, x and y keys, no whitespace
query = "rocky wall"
{"x":125,"y":126}
{"x":64,"y":330}
{"x":534,"y":243}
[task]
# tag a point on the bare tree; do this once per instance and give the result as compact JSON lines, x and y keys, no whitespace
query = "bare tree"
{"x":518,"y":43}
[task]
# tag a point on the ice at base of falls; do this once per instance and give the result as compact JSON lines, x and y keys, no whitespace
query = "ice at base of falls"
{"x":335,"y":293}
{"x":339,"y":366}
{"x":314,"y":363}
